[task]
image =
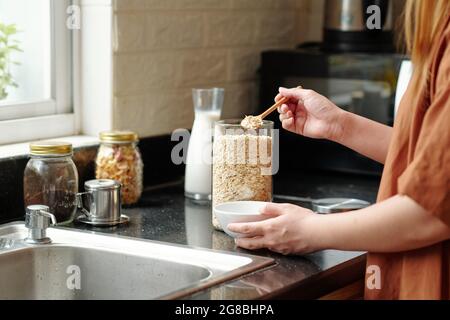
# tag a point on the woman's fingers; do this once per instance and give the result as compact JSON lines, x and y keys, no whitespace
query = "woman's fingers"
{"x":261,"y":242}
{"x":251,"y":243}
{"x":273,"y":209}
{"x":283,"y":117}
{"x":252,"y":229}
{"x":287,"y":115}
{"x":278,"y":97}
{"x":288,"y":124}
{"x":296,"y":94}
{"x":283,"y":108}
{"x":287,"y":106}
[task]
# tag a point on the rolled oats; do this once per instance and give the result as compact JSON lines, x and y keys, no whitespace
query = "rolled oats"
{"x":241,"y":169}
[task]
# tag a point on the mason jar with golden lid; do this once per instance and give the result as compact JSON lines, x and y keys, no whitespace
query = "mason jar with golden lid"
{"x":119,"y":159}
{"x":51,"y":148}
{"x":118,"y":137}
{"x":51,"y":179}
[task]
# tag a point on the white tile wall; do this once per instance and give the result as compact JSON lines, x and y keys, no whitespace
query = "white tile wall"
{"x":163,"y":48}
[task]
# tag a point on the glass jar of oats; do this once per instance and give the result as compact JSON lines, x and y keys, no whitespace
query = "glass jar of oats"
{"x":119,"y":159}
{"x":242,"y":163}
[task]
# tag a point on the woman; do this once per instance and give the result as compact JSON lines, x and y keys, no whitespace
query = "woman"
{"x":406,"y":233}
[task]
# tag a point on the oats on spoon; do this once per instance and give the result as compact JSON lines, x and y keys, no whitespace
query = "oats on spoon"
{"x":256,"y":122}
{"x":252,"y":122}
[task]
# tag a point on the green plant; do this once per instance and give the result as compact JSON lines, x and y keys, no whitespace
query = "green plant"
{"x":7,"y":47}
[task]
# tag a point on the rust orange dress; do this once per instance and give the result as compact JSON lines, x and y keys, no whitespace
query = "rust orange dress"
{"x":418,"y":166}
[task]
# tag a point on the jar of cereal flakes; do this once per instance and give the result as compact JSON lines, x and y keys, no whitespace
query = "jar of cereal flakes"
{"x":119,"y":159}
{"x":242,"y":163}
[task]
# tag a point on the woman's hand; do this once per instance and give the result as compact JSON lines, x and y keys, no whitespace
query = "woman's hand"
{"x":394,"y":225}
{"x":310,"y":114}
{"x":287,"y":232}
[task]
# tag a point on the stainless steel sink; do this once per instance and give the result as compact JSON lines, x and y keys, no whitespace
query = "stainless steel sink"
{"x":87,"y":265}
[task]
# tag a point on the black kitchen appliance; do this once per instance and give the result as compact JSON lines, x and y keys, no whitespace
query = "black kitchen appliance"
{"x":358,"y":26}
{"x":361,"y":83}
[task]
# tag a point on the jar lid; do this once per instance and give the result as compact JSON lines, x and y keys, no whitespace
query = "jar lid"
{"x":101,"y":184}
{"x":118,"y":136}
{"x":50,"y":148}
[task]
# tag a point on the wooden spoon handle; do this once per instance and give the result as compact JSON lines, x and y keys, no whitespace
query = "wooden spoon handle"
{"x":273,"y":108}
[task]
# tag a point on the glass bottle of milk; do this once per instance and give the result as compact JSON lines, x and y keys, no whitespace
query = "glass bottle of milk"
{"x":208,"y":108}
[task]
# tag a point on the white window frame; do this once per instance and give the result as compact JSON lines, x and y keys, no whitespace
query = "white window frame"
{"x":54,"y":117}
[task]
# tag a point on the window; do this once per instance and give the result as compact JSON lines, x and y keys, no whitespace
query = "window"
{"x":36,"y":99}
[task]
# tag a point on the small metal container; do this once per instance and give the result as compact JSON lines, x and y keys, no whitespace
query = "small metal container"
{"x":101,"y":203}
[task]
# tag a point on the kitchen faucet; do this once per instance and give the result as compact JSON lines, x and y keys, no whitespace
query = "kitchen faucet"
{"x":37,"y":220}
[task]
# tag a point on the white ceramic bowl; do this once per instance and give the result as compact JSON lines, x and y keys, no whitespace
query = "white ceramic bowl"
{"x":238,"y":211}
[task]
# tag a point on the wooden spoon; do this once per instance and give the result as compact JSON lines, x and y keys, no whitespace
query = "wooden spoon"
{"x":255,"y":122}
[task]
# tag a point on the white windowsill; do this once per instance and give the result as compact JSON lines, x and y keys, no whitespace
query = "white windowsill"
{"x":22,"y":149}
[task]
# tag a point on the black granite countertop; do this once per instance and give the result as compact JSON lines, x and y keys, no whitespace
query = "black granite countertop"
{"x":164,"y":214}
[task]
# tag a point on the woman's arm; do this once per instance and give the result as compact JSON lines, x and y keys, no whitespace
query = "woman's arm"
{"x":365,"y":136}
{"x":397,"y":224}
{"x":312,"y":115}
